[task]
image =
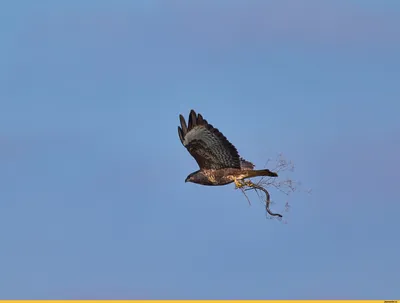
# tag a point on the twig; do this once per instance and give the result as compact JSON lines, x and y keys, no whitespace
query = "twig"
{"x":244,"y":193}
{"x":286,"y":186}
{"x":267,"y":196}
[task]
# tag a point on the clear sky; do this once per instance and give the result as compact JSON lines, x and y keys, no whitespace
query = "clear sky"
{"x":93,"y":203}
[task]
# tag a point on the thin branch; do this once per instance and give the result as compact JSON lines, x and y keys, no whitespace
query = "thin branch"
{"x":250,"y":185}
{"x":244,"y":193}
{"x":286,"y":186}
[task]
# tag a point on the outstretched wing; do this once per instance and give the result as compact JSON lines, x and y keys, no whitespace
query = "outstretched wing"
{"x":206,"y":144}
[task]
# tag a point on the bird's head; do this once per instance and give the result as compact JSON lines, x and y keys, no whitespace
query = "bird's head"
{"x":192,"y":177}
{"x":189,"y":178}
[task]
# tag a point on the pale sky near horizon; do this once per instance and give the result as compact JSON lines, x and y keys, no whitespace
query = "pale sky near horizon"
{"x":93,"y":203}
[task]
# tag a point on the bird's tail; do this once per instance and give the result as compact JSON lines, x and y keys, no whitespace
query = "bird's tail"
{"x":260,"y":173}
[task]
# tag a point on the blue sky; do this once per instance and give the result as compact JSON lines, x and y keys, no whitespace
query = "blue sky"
{"x":93,"y":203}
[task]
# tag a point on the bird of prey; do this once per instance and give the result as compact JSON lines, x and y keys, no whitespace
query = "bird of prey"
{"x":218,"y":159}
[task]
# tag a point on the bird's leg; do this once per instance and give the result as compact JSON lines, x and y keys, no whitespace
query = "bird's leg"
{"x":238,"y":183}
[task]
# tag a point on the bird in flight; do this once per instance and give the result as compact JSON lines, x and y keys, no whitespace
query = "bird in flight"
{"x":218,"y":159}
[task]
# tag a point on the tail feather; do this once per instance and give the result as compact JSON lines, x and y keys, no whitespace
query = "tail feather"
{"x":260,"y":173}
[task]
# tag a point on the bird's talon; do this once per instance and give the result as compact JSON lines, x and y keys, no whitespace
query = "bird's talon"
{"x":250,"y":184}
{"x":238,"y":184}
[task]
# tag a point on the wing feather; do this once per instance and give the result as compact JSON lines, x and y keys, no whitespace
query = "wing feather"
{"x":183,"y":125}
{"x":208,"y":146}
{"x":181,"y":134}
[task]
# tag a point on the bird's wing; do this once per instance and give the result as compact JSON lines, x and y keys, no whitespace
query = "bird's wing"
{"x":206,"y":144}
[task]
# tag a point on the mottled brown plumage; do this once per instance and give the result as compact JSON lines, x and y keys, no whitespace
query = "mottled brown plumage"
{"x":218,"y":159}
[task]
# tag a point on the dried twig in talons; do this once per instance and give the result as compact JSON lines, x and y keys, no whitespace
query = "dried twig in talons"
{"x":267,"y":197}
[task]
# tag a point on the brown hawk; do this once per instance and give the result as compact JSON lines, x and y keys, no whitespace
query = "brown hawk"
{"x":218,"y":159}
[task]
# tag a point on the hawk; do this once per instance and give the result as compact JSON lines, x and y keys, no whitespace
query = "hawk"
{"x":218,"y":159}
